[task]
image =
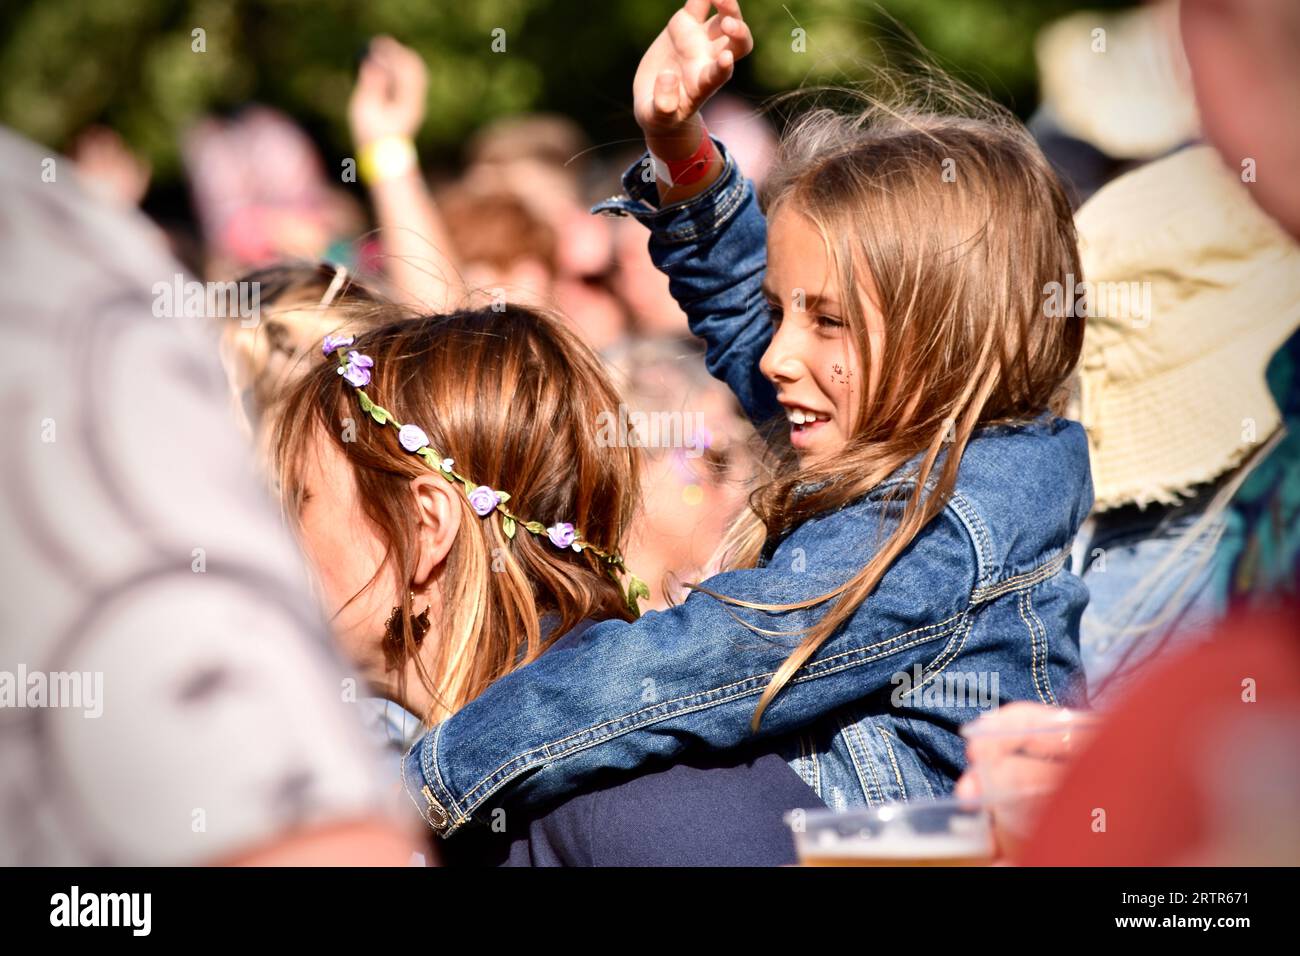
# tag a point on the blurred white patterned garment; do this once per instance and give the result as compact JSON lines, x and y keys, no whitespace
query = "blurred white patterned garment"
{"x":168,"y":691}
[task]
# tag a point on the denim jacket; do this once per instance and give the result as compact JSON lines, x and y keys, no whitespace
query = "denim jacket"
{"x":980,"y":609}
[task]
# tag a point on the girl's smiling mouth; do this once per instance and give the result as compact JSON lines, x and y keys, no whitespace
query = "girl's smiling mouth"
{"x":804,"y":424}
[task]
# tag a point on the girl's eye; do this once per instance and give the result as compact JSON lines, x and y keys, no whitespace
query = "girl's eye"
{"x":829,"y":322}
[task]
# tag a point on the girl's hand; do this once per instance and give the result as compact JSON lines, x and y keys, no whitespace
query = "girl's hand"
{"x":688,"y":62}
{"x":389,"y":97}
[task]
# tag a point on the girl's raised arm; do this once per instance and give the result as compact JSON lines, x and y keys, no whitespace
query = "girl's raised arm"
{"x":707,"y":233}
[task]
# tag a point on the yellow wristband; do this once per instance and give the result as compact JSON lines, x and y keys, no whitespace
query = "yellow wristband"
{"x":388,"y":157}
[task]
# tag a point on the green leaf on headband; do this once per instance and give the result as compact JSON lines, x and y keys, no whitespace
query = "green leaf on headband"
{"x":430,"y":458}
{"x":535,"y":527}
{"x":503,"y":496}
{"x":379,"y":414}
{"x":366,"y":403}
{"x":636,"y":589}
{"x":508,"y":526}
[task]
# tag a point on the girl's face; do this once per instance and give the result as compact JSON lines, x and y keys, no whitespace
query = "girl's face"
{"x":813,"y":360}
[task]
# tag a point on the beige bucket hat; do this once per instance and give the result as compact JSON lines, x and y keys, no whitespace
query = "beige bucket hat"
{"x":1192,"y":288}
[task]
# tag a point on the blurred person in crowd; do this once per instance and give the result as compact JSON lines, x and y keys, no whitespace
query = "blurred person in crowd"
{"x":541,"y":159}
{"x":699,"y":464}
{"x":260,"y":192}
{"x":1114,"y":92}
{"x":418,"y":256}
{"x":109,"y":168}
{"x":652,"y":310}
{"x":263,"y":358}
{"x":1191,"y":289}
{"x":748,"y":134}
{"x":169,"y":692}
{"x":507,"y":252}
{"x":1197,"y":762}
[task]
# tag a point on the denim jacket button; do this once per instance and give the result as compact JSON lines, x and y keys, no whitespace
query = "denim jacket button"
{"x":434,"y":814}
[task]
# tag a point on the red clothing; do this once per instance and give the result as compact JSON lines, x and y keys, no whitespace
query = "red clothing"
{"x":1187,"y":769}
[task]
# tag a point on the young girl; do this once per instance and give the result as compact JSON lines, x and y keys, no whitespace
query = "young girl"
{"x":905,"y":568}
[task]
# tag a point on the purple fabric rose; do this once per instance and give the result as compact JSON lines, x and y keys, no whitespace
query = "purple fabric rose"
{"x":483,"y":499}
{"x":412,"y":437}
{"x":357,"y":371}
{"x":333,"y":342}
{"x":561,"y":534}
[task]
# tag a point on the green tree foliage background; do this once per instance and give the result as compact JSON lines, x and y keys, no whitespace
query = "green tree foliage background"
{"x":129,"y":63}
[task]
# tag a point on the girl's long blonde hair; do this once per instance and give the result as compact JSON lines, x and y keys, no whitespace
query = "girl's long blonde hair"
{"x":962,"y":227}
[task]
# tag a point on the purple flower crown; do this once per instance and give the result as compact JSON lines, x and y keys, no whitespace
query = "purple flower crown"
{"x":357,"y":370}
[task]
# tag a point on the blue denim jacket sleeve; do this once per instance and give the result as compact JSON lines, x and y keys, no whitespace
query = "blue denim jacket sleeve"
{"x":622,"y":694}
{"x":713,"y":248}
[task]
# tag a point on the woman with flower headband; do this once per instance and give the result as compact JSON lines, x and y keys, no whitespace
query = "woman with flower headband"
{"x":448,"y":483}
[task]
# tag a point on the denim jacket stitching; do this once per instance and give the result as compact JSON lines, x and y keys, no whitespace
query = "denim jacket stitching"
{"x":432,"y":765}
{"x":902,"y":787}
{"x":650,"y":715}
{"x":958,"y":639}
{"x":858,"y":753}
{"x":979,"y":533}
{"x":1042,"y":682}
{"x":1021,"y":581}
{"x":1033,"y":647}
{"x":725,"y":207}
{"x":806,"y":763}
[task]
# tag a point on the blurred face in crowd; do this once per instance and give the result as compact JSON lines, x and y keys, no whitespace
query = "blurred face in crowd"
{"x":643,"y":287}
{"x":812,"y":359}
{"x":1243,"y":59}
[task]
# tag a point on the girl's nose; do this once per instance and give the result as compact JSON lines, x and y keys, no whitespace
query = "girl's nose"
{"x":780,"y":363}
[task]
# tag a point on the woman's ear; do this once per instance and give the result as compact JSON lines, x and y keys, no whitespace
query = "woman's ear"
{"x":438,"y":511}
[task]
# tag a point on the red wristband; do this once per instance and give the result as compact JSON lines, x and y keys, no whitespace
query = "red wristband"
{"x":684,"y":172}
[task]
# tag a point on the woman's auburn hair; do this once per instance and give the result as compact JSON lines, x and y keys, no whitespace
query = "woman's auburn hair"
{"x":513,"y":396}
{"x":962,"y":227}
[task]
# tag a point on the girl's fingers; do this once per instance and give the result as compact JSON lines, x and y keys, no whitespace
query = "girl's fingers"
{"x":729,"y":8}
{"x":683,"y":31}
{"x":666,"y":97}
{"x":697,"y":9}
{"x":732,"y":35}
{"x":737,"y":31}
{"x":713,"y":76}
